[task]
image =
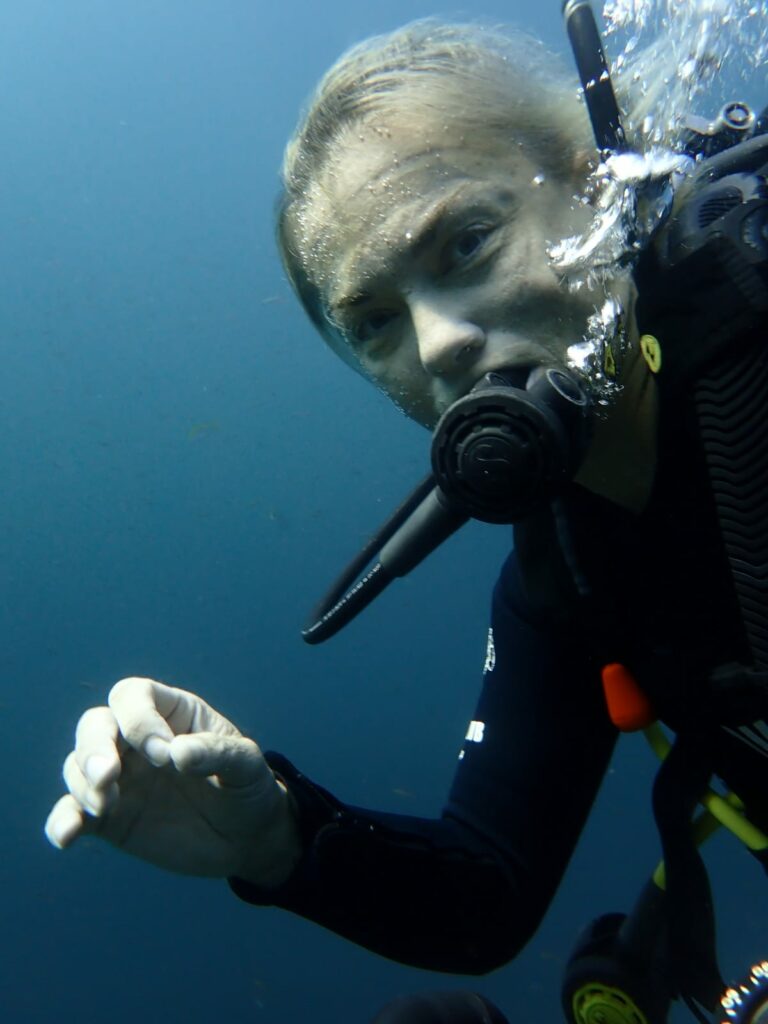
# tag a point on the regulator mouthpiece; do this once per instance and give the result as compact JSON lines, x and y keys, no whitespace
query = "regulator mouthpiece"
{"x":511,"y":443}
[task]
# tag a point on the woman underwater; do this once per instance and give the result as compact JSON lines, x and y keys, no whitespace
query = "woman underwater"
{"x":421,"y":191}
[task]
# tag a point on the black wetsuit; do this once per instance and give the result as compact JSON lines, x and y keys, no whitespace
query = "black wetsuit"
{"x":586,"y":584}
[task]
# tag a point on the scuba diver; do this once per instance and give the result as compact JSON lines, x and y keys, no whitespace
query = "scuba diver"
{"x":420,"y":192}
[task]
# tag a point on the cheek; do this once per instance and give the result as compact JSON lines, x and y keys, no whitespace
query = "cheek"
{"x":408,"y":387}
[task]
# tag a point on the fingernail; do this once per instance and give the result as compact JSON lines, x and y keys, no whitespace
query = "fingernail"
{"x":55,"y":836}
{"x":156,"y":751}
{"x":97,"y":767}
{"x":194,"y":752}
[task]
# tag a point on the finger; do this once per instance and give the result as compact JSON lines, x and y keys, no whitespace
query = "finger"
{"x":236,"y":761}
{"x":65,"y":823}
{"x":92,"y":799}
{"x":141,"y":708}
{"x":96,"y":750}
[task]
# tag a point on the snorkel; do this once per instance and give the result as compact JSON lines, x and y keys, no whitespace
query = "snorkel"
{"x":510,"y":445}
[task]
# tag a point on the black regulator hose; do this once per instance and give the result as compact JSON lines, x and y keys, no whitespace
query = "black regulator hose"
{"x":594,"y":75}
{"x":418,"y":526}
{"x":497,"y":453}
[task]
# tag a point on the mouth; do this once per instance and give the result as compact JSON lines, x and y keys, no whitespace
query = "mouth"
{"x":499,"y":373}
{"x":511,"y":370}
{"x":513,"y":363}
{"x":514,"y":357}
{"x":508,"y":375}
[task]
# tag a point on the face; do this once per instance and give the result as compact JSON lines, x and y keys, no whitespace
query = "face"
{"x":431,"y":258}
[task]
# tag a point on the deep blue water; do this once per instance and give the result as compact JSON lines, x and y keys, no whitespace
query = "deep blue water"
{"x":185,"y":468}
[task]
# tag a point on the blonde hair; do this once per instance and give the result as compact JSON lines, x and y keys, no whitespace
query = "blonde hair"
{"x":470,"y":77}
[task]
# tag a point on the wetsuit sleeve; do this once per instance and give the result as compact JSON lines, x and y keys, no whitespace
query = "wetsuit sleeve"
{"x":465,"y":892}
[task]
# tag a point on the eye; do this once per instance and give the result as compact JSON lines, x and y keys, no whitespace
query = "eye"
{"x":465,"y":244}
{"x":373,"y":323}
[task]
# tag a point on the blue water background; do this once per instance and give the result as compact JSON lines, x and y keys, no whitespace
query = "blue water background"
{"x":184,"y":469}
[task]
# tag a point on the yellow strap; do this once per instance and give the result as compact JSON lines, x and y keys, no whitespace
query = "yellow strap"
{"x":727,"y":810}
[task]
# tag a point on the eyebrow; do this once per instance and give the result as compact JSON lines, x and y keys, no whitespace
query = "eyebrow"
{"x":419,"y":240}
{"x":349,"y":301}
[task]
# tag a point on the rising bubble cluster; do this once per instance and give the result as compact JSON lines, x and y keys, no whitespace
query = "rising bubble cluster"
{"x":597,"y":358}
{"x":670,"y":59}
{"x":672,"y":56}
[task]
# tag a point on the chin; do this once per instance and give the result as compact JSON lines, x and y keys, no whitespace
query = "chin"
{"x":426,"y":420}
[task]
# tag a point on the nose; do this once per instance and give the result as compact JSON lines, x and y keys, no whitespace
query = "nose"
{"x":446,"y":341}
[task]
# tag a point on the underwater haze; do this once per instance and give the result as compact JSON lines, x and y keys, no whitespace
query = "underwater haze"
{"x":185,"y":468}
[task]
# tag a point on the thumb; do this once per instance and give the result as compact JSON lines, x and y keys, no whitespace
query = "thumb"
{"x":236,"y":761}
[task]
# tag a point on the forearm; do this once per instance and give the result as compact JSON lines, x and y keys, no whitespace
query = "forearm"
{"x":463,"y":893}
{"x":429,"y":893}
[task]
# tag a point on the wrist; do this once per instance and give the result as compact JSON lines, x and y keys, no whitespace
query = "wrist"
{"x":269,"y":861}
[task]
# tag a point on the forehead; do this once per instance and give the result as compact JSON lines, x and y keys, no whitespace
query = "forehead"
{"x":382,"y":178}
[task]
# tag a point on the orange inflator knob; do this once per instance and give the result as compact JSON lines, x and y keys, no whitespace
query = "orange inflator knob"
{"x":628,"y":707}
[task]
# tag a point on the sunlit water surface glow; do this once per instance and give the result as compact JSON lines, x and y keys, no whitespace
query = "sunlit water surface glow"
{"x":669,"y":58}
